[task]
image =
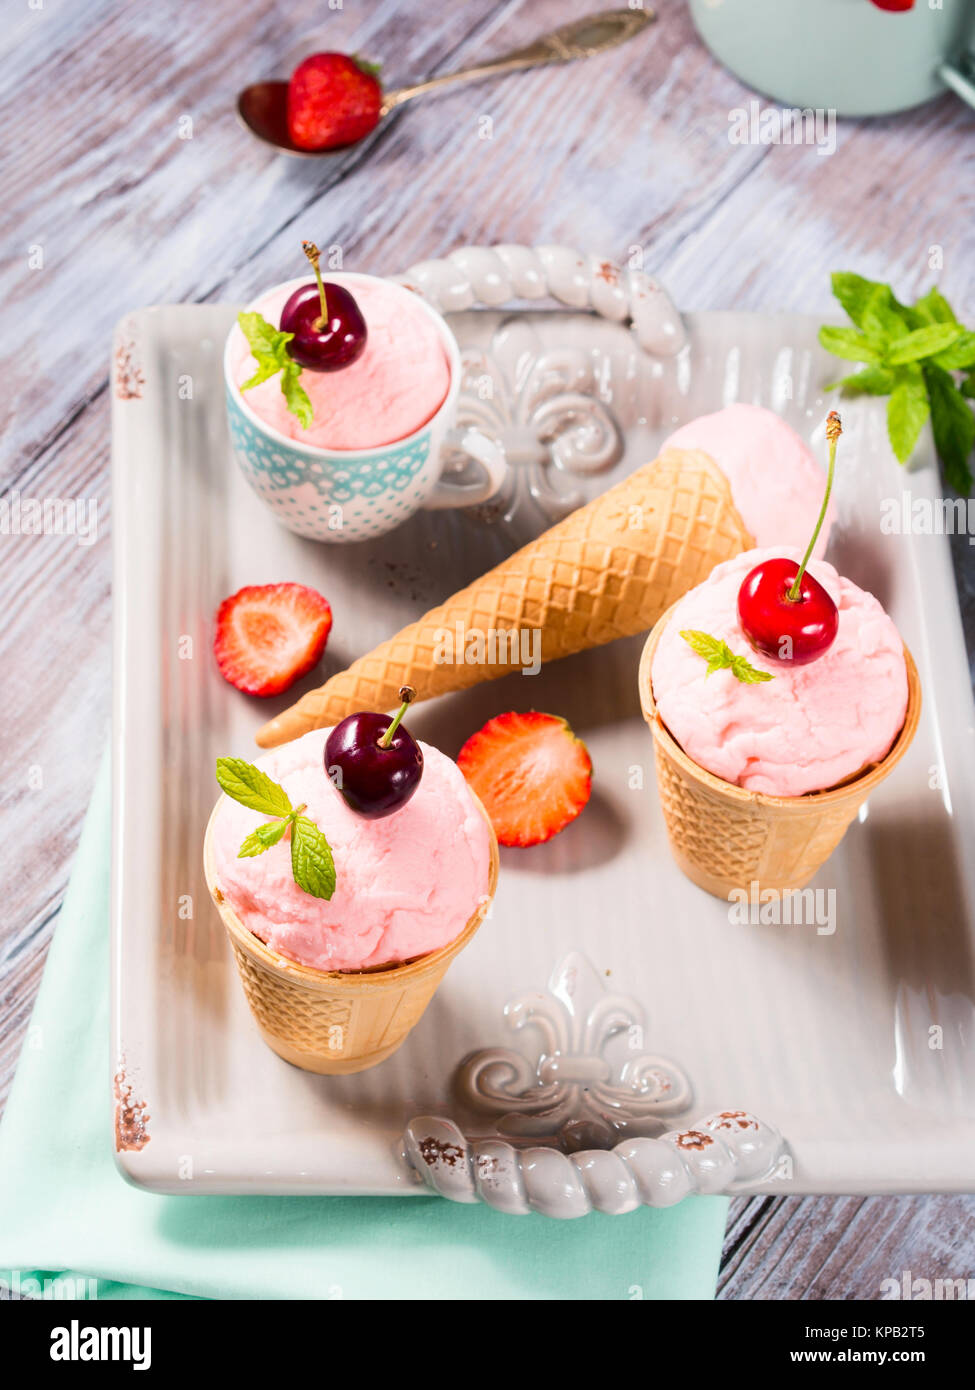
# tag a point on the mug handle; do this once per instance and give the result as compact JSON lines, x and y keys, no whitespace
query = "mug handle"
{"x":488,"y":453}
{"x":959,"y":82}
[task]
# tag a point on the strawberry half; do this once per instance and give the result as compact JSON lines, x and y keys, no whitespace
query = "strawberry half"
{"x":531,"y":772}
{"x":332,"y":100}
{"x":270,"y":634}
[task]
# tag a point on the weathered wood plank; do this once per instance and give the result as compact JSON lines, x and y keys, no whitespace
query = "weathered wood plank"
{"x":844,"y":1247}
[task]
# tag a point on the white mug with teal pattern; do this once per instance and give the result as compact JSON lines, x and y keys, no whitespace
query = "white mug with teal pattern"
{"x":343,"y":495}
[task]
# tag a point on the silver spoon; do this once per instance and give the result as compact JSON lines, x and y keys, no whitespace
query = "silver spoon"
{"x":262,"y":107}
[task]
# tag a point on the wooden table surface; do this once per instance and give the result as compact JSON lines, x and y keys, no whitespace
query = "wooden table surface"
{"x":128,"y":182}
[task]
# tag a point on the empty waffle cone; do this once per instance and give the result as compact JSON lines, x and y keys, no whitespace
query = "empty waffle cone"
{"x":727,"y":839}
{"x":334,"y":1022}
{"x":608,"y":570}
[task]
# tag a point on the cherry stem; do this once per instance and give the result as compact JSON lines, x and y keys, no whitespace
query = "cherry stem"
{"x":834,"y":429}
{"x":407,"y":694}
{"x":314,"y":256}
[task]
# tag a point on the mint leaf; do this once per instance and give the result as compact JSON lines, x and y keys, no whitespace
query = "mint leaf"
{"x":263,"y":838}
{"x":748,"y":675}
{"x":253,"y":788}
{"x":871,"y":381}
{"x":715,"y":652}
{"x":263,"y":338}
{"x":295,"y":394}
{"x":270,"y":349}
{"x":907,"y":411}
{"x":932,"y":308}
{"x":953,"y":425}
{"x":883,"y":317}
{"x":922,"y":342}
{"x":720,"y":657}
{"x":848,"y":343}
{"x":967,"y":387}
{"x":960,"y":354}
{"x":266,"y":368}
{"x":854,"y":293}
{"x":311,"y":859}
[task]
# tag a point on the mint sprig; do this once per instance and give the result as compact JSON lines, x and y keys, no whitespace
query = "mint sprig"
{"x":911,"y":353}
{"x":720,"y":657}
{"x":269,"y":346}
{"x":311,"y":855}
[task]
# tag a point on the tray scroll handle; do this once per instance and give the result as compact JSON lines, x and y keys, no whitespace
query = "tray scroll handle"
{"x":727,"y":1152}
{"x":492,"y":276}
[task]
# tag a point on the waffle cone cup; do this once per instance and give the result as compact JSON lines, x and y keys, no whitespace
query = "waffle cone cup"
{"x":608,"y":570}
{"x":334,"y":1022}
{"x":727,"y":839}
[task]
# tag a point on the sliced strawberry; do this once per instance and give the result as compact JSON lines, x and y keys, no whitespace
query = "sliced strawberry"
{"x":270,"y":634}
{"x":332,"y":100}
{"x":531,"y":772}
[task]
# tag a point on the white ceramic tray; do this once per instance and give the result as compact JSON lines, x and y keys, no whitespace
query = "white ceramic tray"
{"x":856,"y":1047}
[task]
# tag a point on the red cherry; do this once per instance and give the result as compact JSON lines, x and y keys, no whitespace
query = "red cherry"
{"x":897,"y":6}
{"x":324,"y":345}
{"x":374,"y":761}
{"x":786,"y":614}
{"x":328,"y":327}
{"x":796,"y":630}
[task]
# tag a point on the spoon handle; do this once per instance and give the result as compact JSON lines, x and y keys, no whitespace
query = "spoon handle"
{"x":580,"y":39}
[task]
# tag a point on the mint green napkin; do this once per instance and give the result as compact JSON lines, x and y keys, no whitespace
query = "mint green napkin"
{"x":64,"y":1208}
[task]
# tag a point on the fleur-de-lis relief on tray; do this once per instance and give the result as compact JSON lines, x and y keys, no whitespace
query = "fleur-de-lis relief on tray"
{"x":543,"y":407}
{"x":588,"y":1080}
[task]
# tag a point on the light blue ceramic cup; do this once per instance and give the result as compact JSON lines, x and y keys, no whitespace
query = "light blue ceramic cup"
{"x":846,"y":56}
{"x":346,"y":495}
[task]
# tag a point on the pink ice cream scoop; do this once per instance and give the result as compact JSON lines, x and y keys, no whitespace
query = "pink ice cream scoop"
{"x":404,"y":885}
{"x":775,"y":481}
{"x":811,"y":726}
{"x":399,"y":382}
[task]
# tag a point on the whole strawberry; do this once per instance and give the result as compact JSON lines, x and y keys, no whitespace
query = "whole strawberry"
{"x":332,"y":100}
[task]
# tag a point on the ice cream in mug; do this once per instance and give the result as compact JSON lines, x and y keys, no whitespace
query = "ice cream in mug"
{"x":342,"y":396}
{"x":398,"y":383}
